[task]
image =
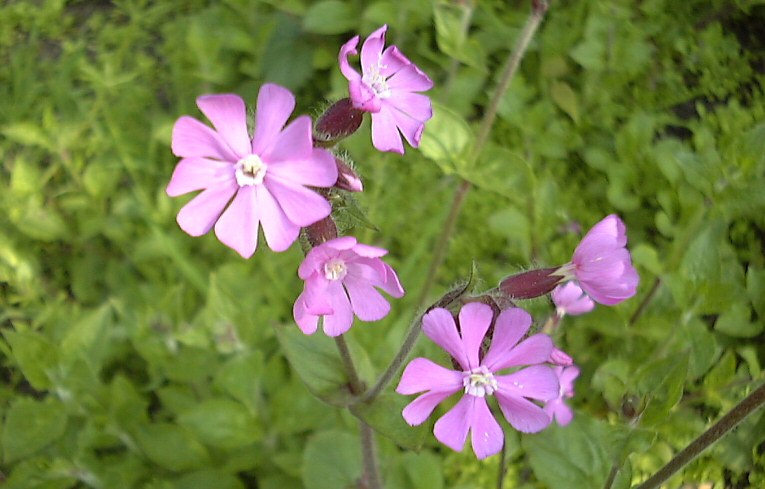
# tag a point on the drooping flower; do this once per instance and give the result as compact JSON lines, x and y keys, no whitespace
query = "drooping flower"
{"x":557,"y":408}
{"x":387,"y":88}
{"x":340,"y":279}
{"x":602,"y":265}
{"x":247,"y":183}
{"x":569,"y":299}
{"x":479,"y":378}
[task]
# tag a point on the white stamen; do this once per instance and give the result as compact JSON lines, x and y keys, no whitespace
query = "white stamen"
{"x":479,"y":382}
{"x":250,"y":170}
{"x":335,"y":269}
{"x":374,"y":79}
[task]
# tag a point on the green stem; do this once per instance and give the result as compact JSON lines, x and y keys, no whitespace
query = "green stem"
{"x":350,"y":369}
{"x":529,"y":29}
{"x":743,"y":409}
{"x":502,"y":465}
{"x":371,"y":471}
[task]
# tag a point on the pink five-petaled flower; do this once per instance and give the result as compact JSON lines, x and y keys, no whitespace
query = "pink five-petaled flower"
{"x":386,"y":88}
{"x":266,"y":176}
{"x":557,"y":407}
{"x":478,"y":377}
{"x":569,"y":299}
{"x":340,"y":279}
{"x":602,"y":265}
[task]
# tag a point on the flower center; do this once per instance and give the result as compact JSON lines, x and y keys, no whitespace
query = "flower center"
{"x":479,"y":382}
{"x":374,"y":79}
{"x":335,"y":269}
{"x":250,"y":170}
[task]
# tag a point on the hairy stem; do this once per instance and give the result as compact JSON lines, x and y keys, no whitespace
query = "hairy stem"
{"x":529,"y":29}
{"x":350,"y":369}
{"x":743,"y":409}
{"x":371,"y":471}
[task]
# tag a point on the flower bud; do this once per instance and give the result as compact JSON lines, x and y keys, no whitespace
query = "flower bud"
{"x":321,"y":231}
{"x":339,"y":121}
{"x":347,"y":178}
{"x":531,"y":284}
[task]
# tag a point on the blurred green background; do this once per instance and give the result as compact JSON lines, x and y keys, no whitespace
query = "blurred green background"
{"x":135,"y":356}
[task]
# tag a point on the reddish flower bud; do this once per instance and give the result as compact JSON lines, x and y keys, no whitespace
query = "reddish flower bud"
{"x":347,"y":178}
{"x":321,"y":231}
{"x":339,"y":121}
{"x":531,"y":284}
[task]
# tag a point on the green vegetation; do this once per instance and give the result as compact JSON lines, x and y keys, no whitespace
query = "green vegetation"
{"x":135,"y":356}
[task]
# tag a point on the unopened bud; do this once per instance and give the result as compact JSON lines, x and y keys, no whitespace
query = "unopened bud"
{"x":339,"y":121}
{"x":560,"y":358}
{"x":321,"y":231}
{"x":347,"y":178}
{"x":531,"y":284}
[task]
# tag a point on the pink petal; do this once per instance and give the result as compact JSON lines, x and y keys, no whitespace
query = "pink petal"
{"x":422,"y":375}
{"x":317,"y":170}
{"x":523,"y":415}
{"x":293,"y":143}
{"x":410,"y":79}
{"x":238,"y":227}
{"x":438,"y":325}
{"x":560,"y":411}
{"x":393,"y":60}
{"x":280,"y":232}
{"x":347,"y":49}
{"x":275,"y":104}
{"x":364,"y":97}
{"x":485,"y":433}
{"x":229,"y":116}
{"x":368,"y":304}
{"x":193,"y":139}
{"x":537,"y":382}
{"x":371,"y":51}
{"x":566,"y":378}
{"x":392,"y":284}
{"x":315,"y":296}
{"x":314,"y":261}
{"x":417,"y":411}
{"x":193,"y":174}
{"x":341,"y":320}
{"x":198,"y":216}
{"x":301,"y":205}
{"x":385,"y":136}
{"x":409,"y":127}
{"x":306,"y":321}
{"x":415,"y":105}
{"x":369,"y":251}
{"x":475,"y":319}
{"x":342,"y":243}
{"x":510,"y":326}
{"x":533,"y":350}
{"x":452,"y":428}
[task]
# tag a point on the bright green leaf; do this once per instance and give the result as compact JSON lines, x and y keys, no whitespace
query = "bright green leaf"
{"x":30,"y":426}
{"x":332,"y":460}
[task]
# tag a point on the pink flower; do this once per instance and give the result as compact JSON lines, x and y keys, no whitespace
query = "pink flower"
{"x":387,"y":89}
{"x":247,"y":183}
{"x":557,"y":407}
{"x":602,"y":265}
{"x":340,"y":279}
{"x":569,"y":299}
{"x":478,"y":377}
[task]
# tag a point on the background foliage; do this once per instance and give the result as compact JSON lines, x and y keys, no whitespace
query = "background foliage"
{"x":137,"y":357}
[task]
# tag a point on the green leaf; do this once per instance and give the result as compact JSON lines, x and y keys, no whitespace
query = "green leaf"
{"x":661,"y":382}
{"x":755,"y":286}
{"x":240,"y":377}
{"x":171,"y":447}
{"x":576,"y":456}
{"x":332,"y":460}
{"x":222,"y":423}
{"x":83,"y":336}
{"x":452,"y":22}
{"x":317,"y":363}
{"x":330,"y":17}
{"x":424,"y":470}
{"x":30,"y":426}
{"x":445,"y":139}
{"x":501,"y":171}
{"x":737,"y":322}
{"x":384,"y":416}
{"x":35,"y":354}
{"x":206,"y":479}
{"x":565,"y":98}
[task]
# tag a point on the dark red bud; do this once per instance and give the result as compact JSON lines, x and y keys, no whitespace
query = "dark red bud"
{"x":531,"y":284}
{"x":339,"y":121}
{"x":321,"y":231}
{"x":347,"y":178}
